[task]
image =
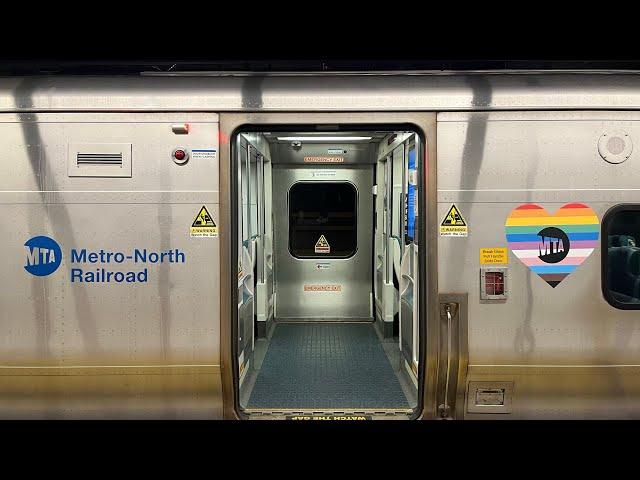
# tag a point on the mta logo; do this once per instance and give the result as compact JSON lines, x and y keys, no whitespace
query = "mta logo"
{"x":43,"y":256}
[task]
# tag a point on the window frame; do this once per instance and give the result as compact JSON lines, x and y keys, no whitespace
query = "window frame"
{"x":319,"y":256}
{"x":605,"y":226}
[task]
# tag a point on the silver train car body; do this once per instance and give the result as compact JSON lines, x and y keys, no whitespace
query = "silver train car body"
{"x":77,"y":343}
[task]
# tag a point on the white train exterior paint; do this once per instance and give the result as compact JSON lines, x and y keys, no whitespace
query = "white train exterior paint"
{"x":502,"y":140}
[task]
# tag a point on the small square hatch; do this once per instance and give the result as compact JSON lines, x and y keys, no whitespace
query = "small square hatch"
{"x":99,"y":160}
{"x":493,"y":283}
{"x":489,"y":397}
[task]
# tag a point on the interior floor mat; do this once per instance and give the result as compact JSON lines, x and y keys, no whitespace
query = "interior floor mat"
{"x":326,"y":365}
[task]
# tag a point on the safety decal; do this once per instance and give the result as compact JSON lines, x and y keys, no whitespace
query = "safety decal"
{"x":552,"y":246}
{"x":323,"y":266}
{"x":322,"y":246}
{"x":203,"y":225}
{"x":453,"y":224}
{"x":494,"y":256}
{"x":328,"y":417}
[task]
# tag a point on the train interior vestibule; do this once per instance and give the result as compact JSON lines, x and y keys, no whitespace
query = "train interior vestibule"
{"x":327,"y":280}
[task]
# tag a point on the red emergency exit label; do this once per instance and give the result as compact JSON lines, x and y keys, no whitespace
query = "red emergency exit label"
{"x":323,"y":159}
{"x":323,"y":288}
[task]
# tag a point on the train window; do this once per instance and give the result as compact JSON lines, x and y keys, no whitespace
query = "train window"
{"x":323,"y":220}
{"x":621,"y":263}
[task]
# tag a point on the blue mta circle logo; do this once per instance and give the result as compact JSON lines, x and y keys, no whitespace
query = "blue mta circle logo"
{"x":43,"y":256}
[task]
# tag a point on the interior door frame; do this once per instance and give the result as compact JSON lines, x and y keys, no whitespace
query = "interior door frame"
{"x":424,"y":124}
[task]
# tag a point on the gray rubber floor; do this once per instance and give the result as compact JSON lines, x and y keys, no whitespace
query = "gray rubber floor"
{"x":326,"y":365}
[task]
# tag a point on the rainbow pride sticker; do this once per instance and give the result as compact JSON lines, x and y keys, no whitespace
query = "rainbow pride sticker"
{"x":552,"y":246}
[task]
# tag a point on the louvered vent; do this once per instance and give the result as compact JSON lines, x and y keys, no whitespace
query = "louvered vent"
{"x":99,"y":160}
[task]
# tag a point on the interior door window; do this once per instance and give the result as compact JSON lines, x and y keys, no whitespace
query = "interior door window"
{"x":323,"y":220}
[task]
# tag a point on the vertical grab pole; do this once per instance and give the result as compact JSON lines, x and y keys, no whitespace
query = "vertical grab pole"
{"x":260,"y":207}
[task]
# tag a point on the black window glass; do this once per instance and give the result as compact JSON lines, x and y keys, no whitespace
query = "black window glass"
{"x":621,"y":263}
{"x":322,"y":220}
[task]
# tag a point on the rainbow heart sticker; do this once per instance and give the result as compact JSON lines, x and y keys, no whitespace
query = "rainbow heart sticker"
{"x":552,"y":246}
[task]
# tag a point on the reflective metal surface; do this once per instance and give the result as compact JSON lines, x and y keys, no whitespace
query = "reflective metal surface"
{"x":105,"y":393}
{"x":168,"y":321}
{"x":564,"y":392}
{"x":353,"y":276}
{"x":567,"y":351}
{"x":570,"y":348}
{"x":324,"y":92}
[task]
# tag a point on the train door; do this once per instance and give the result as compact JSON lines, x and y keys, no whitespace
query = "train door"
{"x":385,"y":292}
{"x":246,"y":253}
{"x":397,"y":247}
{"x":327,"y":314}
{"x":322,"y":242}
{"x":408,"y":283}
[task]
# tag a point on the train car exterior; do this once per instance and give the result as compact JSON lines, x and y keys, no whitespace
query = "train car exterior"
{"x":123,"y":260}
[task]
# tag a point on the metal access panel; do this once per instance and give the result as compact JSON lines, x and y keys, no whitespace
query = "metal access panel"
{"x":104,"y":273}
{"x":323,"y":288}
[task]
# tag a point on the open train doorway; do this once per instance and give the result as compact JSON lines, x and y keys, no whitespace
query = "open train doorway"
{"x":327,"y":319}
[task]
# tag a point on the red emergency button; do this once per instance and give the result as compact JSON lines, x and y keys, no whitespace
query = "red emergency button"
{"x":180,"y":156}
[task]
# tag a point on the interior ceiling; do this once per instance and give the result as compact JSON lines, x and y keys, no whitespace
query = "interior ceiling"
{"x":272,"y":137}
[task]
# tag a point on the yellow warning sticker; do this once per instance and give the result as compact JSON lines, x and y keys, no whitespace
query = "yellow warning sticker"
{"x":203,"y":225}
{"x":322,"y":246}
{"x":453,"y":224}
{"x":494,"y":256}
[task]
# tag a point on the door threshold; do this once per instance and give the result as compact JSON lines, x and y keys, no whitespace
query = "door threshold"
{"x":324,"y":320}
{"x":318,"y":414}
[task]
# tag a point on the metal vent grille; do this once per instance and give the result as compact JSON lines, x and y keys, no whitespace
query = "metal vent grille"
{"x":99,"y":159}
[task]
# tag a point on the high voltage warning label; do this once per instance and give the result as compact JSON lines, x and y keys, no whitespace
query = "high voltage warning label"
{"x":453,"y":224}
{"x":203,"y":225}
{"x":322,"y":246}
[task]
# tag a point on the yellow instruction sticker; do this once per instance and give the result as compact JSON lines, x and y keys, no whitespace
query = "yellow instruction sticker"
{"x":494,"y":256}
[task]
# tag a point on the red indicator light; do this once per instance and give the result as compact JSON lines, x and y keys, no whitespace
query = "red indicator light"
{"x":179,"y":154}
